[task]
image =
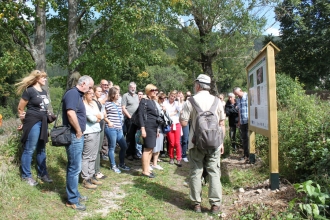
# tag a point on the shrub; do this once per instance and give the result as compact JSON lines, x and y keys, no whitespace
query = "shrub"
{"x":303,"y":133}
{"x":7,"y":112}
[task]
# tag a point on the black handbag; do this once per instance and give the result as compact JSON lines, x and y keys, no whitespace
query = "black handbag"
{"x":60,"y":135}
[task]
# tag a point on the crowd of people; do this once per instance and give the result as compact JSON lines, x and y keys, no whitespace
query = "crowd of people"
{"x":101,"y":120}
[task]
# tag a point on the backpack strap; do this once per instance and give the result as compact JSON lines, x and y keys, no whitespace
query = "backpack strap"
{"x":195,"y":105}
{"x":199,"y":110}
{"x":214,"y":105}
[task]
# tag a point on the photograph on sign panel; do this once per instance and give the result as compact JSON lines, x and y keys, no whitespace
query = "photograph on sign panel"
{"x":251,"y":81}
{"x":260,"y":75}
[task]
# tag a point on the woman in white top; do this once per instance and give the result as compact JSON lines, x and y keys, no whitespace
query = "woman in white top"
{"x":173,"y":109}
{"x":91,"y":141}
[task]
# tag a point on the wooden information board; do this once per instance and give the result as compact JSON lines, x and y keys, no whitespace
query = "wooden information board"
{"x":263,"y":106}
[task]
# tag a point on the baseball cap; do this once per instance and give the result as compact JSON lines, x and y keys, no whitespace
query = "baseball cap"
{"x":202,"y":78}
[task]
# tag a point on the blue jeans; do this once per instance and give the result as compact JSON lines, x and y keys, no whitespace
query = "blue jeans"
{"x":74,"y":154}
{"x":114,"y":136}
{"x":184,"y":141}
{"x":32,"y":143}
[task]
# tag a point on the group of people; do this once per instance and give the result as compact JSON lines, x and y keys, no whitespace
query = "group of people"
{"x":99,"y":113}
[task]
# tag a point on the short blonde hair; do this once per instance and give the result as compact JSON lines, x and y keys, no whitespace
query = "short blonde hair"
{"x":149,"y":87}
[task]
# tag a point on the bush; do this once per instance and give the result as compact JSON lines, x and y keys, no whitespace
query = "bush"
{"x":7,"y":112}
{"x":303,"y":133}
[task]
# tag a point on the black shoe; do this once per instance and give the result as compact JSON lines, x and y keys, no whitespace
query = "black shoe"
{"x":151,"y":175}
{"x":83,"y":198}
{"x":77,"y":206}
{"x":136,"y":157}
{"x":45,"y":178}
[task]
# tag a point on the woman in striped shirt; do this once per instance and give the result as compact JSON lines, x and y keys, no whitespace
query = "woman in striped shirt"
{"x":113,"y":130}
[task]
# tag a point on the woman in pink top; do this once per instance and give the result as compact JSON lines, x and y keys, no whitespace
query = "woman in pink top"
{"x":174,"y":136}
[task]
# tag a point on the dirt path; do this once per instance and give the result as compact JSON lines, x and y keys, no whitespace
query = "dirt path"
{"x":269,"y":201}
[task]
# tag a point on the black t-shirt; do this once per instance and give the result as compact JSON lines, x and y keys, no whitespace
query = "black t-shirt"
{"x":36,"y":100}
{"x":72,"y":100}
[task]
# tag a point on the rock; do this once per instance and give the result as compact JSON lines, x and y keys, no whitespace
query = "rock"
{"x":241,"y":190}
{"x":258,"y":191}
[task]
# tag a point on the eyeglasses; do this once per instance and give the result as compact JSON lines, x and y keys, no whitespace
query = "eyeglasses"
{"x":153,"y":90}
{"x":105,"y":84}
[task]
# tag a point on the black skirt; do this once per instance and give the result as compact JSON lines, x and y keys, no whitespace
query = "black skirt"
{"x":151,"y":130}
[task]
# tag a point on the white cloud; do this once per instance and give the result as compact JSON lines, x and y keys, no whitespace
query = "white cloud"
{"x":272,"y":30}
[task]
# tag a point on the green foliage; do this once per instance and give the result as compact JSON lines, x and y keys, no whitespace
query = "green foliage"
{"x":303,"y":133}
{"x":56,"y":94}
{"x":315,"y":204}
{"x":6,"y":113}
{"x":305,"y":42}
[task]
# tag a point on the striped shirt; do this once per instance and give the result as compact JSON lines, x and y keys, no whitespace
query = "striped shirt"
{"x":114,"y":114}
{"x":243,"y":104}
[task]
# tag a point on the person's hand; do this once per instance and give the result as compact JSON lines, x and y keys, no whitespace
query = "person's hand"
{"x":222,"y":149}
{"x":79,"y":134}
{"x":99,"y":117}
{"x":110,"y":124}
{"x":20,"y":127}
{"x":143,"y":132}
{"x":22,"y":116}
{"x":238,"y":124}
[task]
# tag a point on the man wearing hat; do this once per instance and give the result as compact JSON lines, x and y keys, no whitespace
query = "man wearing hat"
{"x":201,"y":158}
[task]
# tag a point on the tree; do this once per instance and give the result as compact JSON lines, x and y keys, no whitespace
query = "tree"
{"x":15,"y":22}
{"x":305,"y":42}
{"x":215,"y":27}
{"x":107,"y":37}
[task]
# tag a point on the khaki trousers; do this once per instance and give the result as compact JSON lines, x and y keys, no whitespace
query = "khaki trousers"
{"x":210,"y":160}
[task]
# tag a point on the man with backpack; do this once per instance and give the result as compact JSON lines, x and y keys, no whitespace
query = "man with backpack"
{"x":205,"y":142}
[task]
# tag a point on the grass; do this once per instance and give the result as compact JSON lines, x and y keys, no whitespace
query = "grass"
{"x":122,"y":196}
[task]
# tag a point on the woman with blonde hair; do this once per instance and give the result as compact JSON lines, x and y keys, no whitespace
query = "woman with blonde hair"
{"x":34,"y":124}
{"x":148,"y":115}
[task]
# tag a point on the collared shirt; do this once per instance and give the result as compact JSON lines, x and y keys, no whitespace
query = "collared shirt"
{"x":131,"y":102}
{"x":205,"y":100}
{"x":243,"y":104}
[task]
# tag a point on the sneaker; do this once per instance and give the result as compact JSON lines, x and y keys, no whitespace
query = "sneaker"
{"x":215,"y":209}
{"x":150,"y":168}
{"x":83,"y":198}
{"x":124,"y":167}
{"x":87,"y":183}
{"x":157,"y":167}
{"x":185,"y":160}
{"x":45,"y":178}
{"x":100,"y":175}
{"x":163,"y":155}
{"x":115,"y":169}
{"x":171,"y":161}
{"x":78,"y":206}
{"x":105,"y":157}
{"x":179,"y":164}
{"x":30,"y":181}
{"x":96,"y":181}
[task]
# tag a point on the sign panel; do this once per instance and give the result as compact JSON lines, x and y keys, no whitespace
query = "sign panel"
{"x":258,"y":92}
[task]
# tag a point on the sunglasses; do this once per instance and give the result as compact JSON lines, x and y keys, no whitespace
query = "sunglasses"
{"x":105,"y":84}
{"x":153,"y":90}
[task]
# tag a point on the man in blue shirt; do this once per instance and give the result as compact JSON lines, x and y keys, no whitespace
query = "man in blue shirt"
{"x":243,"y":119}
{"x":74,"y":115}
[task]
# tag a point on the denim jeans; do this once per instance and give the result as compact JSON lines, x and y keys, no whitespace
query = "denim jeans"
{"x":184,"y":141}
{"x":74,"y":154}
{"x":33,"y":143}
{"x":114,"y":136}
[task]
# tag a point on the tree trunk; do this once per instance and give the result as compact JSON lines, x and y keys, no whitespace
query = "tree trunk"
{"x":207,"y":69}
{"x":39,"y":50}
{"x":72,"y":39}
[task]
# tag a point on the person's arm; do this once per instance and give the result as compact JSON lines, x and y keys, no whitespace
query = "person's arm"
{"x":125,"y":111}
{"x":73,"y":120}
{"x":21,"y":112}
{"x":223,"y":128}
